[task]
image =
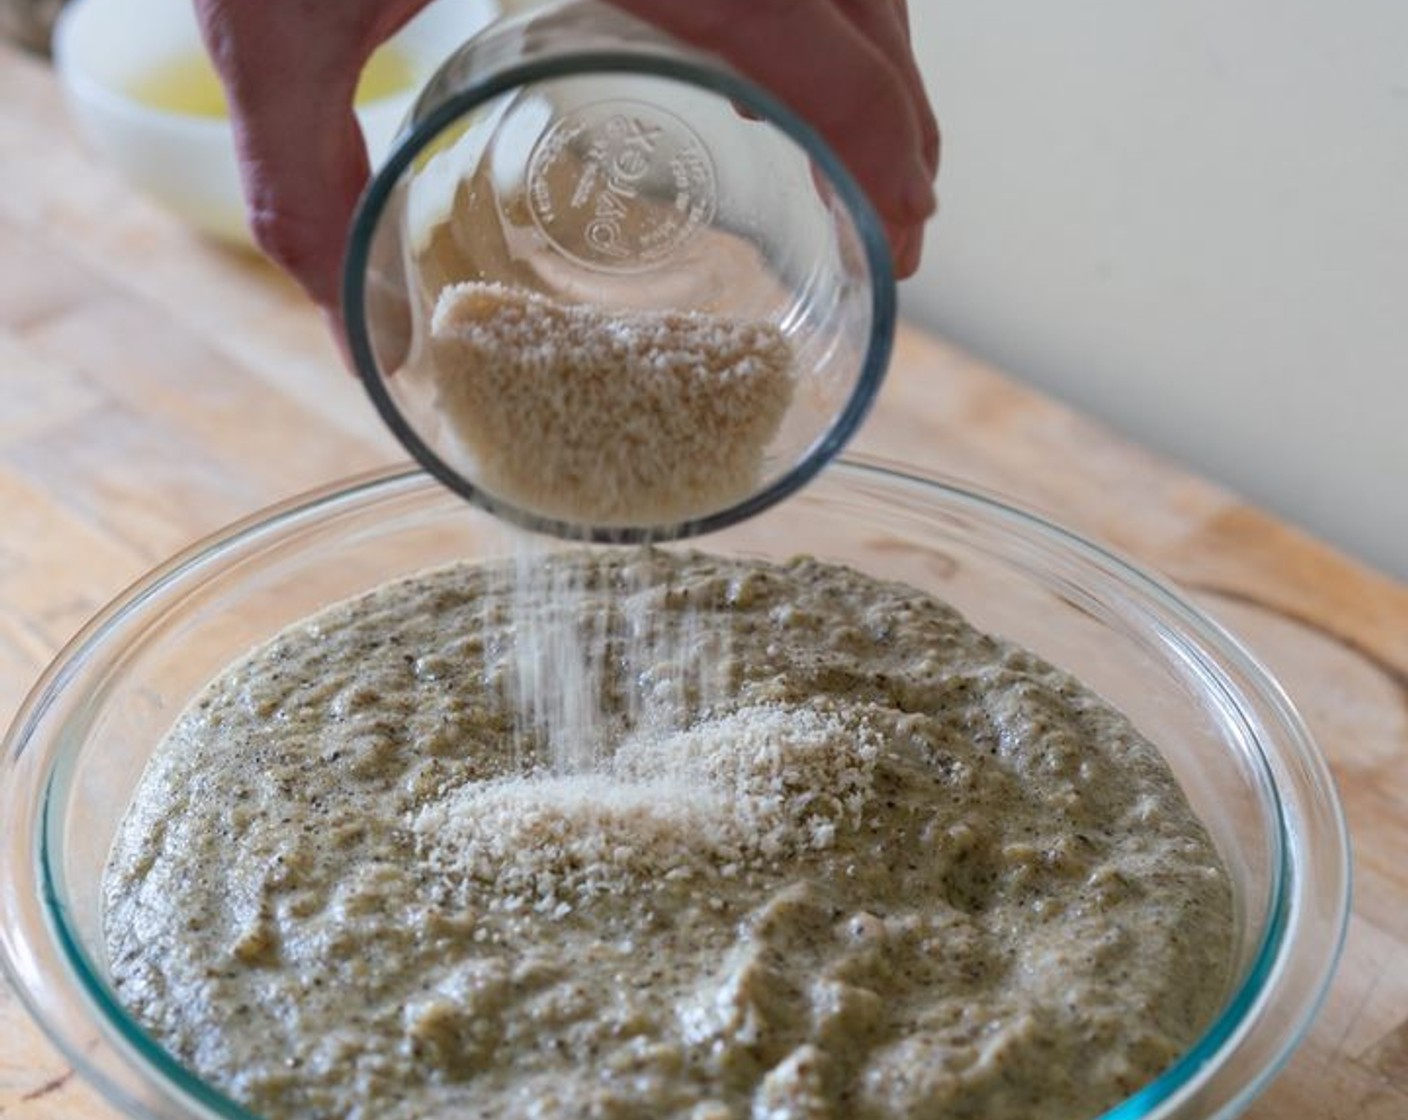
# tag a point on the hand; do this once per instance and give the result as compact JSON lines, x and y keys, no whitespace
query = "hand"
{"x":846,"y":66}
{"x":291,"y":68}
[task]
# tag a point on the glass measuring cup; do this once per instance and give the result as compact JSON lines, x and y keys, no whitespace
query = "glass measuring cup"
{"x":586,"y":176}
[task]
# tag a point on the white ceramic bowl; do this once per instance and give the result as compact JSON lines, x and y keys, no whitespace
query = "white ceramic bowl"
{"x":185,"y":162}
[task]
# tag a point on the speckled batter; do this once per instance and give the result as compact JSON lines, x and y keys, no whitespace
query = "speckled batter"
{"x":896,"y":869}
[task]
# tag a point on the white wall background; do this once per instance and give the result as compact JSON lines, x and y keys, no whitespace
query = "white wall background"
{"x":1190,"y":218}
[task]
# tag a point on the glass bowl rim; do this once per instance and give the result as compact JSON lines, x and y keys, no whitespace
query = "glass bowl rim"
{"x":1180,"y":1079}
{"x":650,"y":61}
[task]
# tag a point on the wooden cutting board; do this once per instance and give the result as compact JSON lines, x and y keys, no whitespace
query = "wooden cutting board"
{"x":156,"y":387}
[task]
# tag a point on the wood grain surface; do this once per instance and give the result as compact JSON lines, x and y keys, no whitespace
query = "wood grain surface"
{"x":156,"y":387}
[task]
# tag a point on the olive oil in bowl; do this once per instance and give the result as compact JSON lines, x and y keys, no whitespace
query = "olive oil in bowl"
{"x":187,"y":85}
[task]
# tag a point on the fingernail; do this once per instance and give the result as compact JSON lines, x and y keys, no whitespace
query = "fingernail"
{"x":907,"y":254}
{"x":919,"y":198}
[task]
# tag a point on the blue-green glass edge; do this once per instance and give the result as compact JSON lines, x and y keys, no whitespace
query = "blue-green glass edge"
{"x":259,"y":524}
{"x":96,"y":989}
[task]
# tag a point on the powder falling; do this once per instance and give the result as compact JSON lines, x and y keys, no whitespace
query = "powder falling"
{"x":594,"y":654}
{"x":603,"y":417}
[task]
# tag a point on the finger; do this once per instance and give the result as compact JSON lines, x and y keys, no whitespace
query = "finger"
{"x":303,"y":173}
{"x":886,"y":25}
{"x":902,"y":11}
{"x":908,"y":244}
{"x":933,"y":135}
{"x":301,"y":155}
{"x":291,"y":71}
{"x":832,"y":75}
{"x":929,"y":122}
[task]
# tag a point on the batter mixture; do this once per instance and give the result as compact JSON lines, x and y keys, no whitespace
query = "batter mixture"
{"x":896,"y":869}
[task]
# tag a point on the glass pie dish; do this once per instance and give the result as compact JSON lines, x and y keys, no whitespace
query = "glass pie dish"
{"x":81,"y":741}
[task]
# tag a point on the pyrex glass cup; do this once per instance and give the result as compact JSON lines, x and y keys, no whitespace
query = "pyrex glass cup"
{"x":585,"y":156}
